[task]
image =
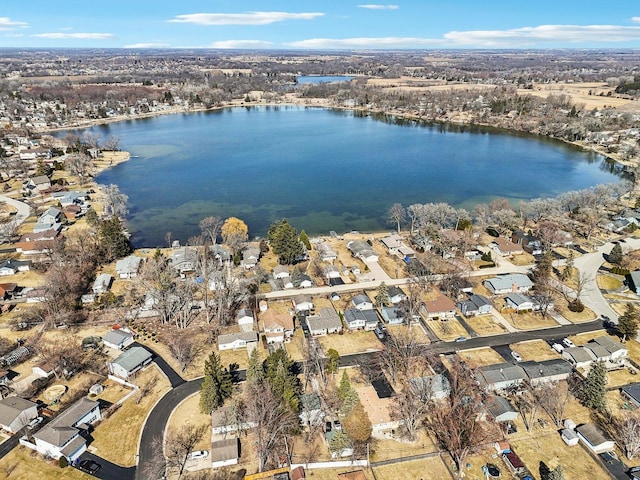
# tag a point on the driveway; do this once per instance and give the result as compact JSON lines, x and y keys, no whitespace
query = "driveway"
{"x":174,"y":377}
{"x":108,"y":470}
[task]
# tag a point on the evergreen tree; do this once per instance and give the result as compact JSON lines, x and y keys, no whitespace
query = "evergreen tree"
{"x":357,"y":424}
{"x":382,"y":295}
{"x":255,"y":370}
{"x":628,"y":322}
{"x":216,"y":386}
{"x":594,"y":387}
{"x":557,"y":473}
{"x":345,"y":386}
{"x":113,"y":240}
{"x":615,"y":256}
{"x":347,"y":394}
{"x":280,"y":374}
{"x":284,"y":241}
{"x":333,"y":358}
{"x":304,"y":238}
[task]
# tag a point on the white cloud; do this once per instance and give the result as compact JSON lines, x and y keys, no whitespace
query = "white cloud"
{"x":7,"y":24}
{"x":79,"y":36}
{"x":513,"y":38}
{"x":374,"y":6}
{"x":635,"y":19}
{"x":148,"y":45}
{"x":246,"y":44}
{"x":250,"y":18}
{"x":366,"y":42}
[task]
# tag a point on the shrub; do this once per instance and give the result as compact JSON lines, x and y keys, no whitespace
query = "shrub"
{"x":576,"y":306}
{"x":63,"y":462}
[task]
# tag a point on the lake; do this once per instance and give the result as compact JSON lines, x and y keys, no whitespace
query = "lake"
{"x":302,"y":79}
{"x":324,"y":169}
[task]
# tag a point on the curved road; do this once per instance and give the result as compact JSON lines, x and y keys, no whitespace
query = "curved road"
{"x":23,"y":209}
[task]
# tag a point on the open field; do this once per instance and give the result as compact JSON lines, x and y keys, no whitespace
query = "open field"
{"x":116,"y":438}
{"x":574,"y":317}
{"x":529,"y":320}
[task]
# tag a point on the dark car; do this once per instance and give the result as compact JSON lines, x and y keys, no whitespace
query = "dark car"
{"x":89,"y":466}
{"x":492,"y":470}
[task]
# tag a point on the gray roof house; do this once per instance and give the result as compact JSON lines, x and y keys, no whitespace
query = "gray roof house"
{"x":250,"y":257}
{"x":594,"y":438}
{"x":128,"y":267}
{"x":118,"y":339}
{"x":129,"y":362}
{"x":632,"y":393}
{"x":102,"y":284}
{"x":362,"y":250}
{"x":500,"y":376}
{"x":396,"y":295}
{"x":579,"y":357}
{"x":184,"y":260}
{"x":508,"y":283}
{"x":303,"y":303}
{"x":16,"y":413}
{"x":63,"y":436}
{"x":325,"y":322}
{"x":11,"y":266}
{"x":552,"y":370}
{"x":475,"y":305}
{"x":311,"y":409}
{"x":521,"y":302}
{"x":616,"y":349}
{"x":430,"y":387}
{"x":51,"y":219}
{"x":500,"y":409}
{"x":225,"y":452}
{"x":234,"y":341}
{"x":326,"y":252}
{"x":361,"y":319}
{"x":362,"y":302}
{"x":392,"y":315}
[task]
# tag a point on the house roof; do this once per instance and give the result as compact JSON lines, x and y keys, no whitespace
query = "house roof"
{"x":506,"y":246}
{"x":501,"y":372}
{"x":299,"y":299}
{"x":327,"y":318}
{"x":479,"y":300}
{"x":62,"y":428}
{"x":609,"y":343}
{"x":117,"y":337}
{"x":391,"y":313}
{"x":132,"y":358}
{"x":592,"y":434}
{"x":546,"y":368}
{"x":497,"y":406}
{"x":518,"y":299}
{"x":506,"y":282}
{"x":361,"y":299}
{"x":128,"y":264}
{"x":281,"y":269}
{"x":435,"y":384}
{"x":578,"y":354}
{"x":598,"y":350}
{"x":310,"y":402}
{"x":222,"y":450}
{"x":103,"y":279}
{"x":354,"y":315}
{"x":232,"y":337}
{"x":273,"y":321}
{"x":377,"y":408}
{"x":40,"y":180}
{"x":440,"y":304}
{"x":394,"y":291}
{"x":12,"y":407}
{"x":244,"y":312}
{"x":632,"y":390}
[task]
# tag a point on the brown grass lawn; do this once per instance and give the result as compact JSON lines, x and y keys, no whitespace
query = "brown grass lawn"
{"x":417,"y":332}
{"x":574,"y":317}
{"x":351,"y":342}
{"x":550,"y":449}
{"x":485,"y":325}
{"x":447,"y":329}
{"x":634,"y":350}
{"x":188,"y":413}
{"x":535,"y":350}
{"x":479,"y":357}
{"x":27,"y":465}
{"x":618,"y":378}
{"x":608,"y":282}
{"x":116,"y":438}
{"x":30,"y":278}
{"x":113,"y":391}
{"x":240,"y":357}
{"x":529,"y":320}
{"x":388,"y":449}
{"x":296,"y":346}
{"x":583,"y":338}
{"x":522,"y":259}
{"x":427,"y":469}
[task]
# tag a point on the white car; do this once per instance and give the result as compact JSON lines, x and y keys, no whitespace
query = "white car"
{"x":557,"y":347}
{"x":516,"y":356}
{"x":568,"y":343}
{"x":198,"y":454}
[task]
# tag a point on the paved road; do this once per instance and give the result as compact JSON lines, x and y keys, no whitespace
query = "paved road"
{"x":174,"y":377}
{"x":108,"y":470}
{"x":23,"y":209}
{"x":9,"y":444}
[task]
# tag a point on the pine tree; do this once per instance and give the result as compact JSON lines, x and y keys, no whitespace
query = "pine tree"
{"x":279,"y":373}
{"x":594,"y":387}
{"x":333,"y":358}
{"x":304,"y":238}
{"x":556,"y":473}
{"x":382,"y":295}
{"x":347,"y":394}
{"x":216,"y":386}
{"x":113,"y":240}
{"x":345,"y":386}
{"x":628,"y":322}
{"x":285,"y":243}
{"x":615,"y":256}
{"x":255,"y":370}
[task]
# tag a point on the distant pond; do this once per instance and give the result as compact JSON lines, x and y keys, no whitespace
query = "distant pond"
{"x":324,"y":169}
{"x":302,"y":79}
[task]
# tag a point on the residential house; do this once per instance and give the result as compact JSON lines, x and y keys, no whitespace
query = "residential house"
{"x":598,"y":352}
{"x":37,"y":243}
{"x":521,"y":303}
{"x":129,"y":362}
{"x":128,"y":267}
{"x":579,"y":357}
{"x":280,"y":272}
{"x":325,"y":322}
{"x":475,"y":305}
{"x":11,"y":266}
{"x":302,"y":280}
{"x":617,"y":351}
{"x":235,"y":341}
{"x":277,"y":327}
{"x":396,"y":295}
{"x":631,"y":392}
{"x":378,"y":410}
{"x":16,"y":413}
{"x":633,"y":281}
{"x":500,"y":409}
{"x":553,"y":370}
{"x":594,"y":438}
{"x":500,"y":376}
{"x":361,"y":319}
{"x":43,"y":370}
{"x":514,"y":463}
{"x":220,"y":254}
{"x":102,"y":284}
{"x":65,"y":435}
{"x":35,"y":294}
{"x":392,"y":315}
{"x":311,"y":409}
{"x":440,"y":307}
{"x":362,"y":250}
{"x":8,"y":290}
{"x":51,"y":219}
{"x":508,"y":283}
{"x":118,"y":339}
{"x":245,"y":319}
{"x":326,"y":252}
{"x":331,"y":272}
{"x":530,"y":243}
{"x":362,"y":302}
{"x":303,"y":303}
{"x":224,"y":452}
{"x":37,"y":185}
{"x":184,"y":260}
{"x":506,"y":248}
{"x":430,"y":387}
{"x":224,"y":421}
{"x":250,"y":257}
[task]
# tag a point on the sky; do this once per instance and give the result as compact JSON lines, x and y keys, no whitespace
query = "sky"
{"x":320,"y":24}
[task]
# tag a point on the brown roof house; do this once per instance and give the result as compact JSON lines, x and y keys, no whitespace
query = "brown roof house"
{"x":506,"y":248}
{"x":440,"y":307}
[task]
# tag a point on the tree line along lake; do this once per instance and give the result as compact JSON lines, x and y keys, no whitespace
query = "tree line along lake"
{"x":324,"y":169}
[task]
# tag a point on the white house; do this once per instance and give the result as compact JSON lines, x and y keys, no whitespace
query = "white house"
{"x":362,"y":302}
{"x":277,"y":327}
{"x":579,"y":357}
{"x":303,"y":303}
{"x":64,"y":435}
{"x":392,"y":315}
{"x":595,"y":439}
{"x":234,"y":341}
{"x":250,"y":257}
{"x":118,"y":339}
{"x":245,"y":319}
{"x":11,"y":267}
{"x":520,"y":303}
{"x":396,"y":295}
{"x":325,"y":322}
{"x":16,"y":413}
{"x":51,"y":219}
{"x":102,"y":284}
{"x":280,"y":272}
{"x":616,"y":350}
{"x":362,"y":250}
{"x":361,"y":319}
{"x":128,"y":267}
{"x":129,"y":362}
{"x":311,"y":409}
{"x":326,"y":252}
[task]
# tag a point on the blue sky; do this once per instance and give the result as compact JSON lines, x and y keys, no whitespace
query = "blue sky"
{"x":320,"y":24}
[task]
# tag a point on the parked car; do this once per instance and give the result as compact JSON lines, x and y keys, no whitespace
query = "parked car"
{"x":88,"y":466}
{"x":568,"y":343}
{"x":492,"y":470}
{"x":461,"y":339}
{"x":34,"y":423}
{"x":380,"y":333}
{"x":558,"y":347}
{"x":516,"y":356}
{"x":198,"y":454}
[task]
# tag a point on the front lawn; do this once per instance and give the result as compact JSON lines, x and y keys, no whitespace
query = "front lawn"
{"x":485,"y":325}
{"x":351,"y":342}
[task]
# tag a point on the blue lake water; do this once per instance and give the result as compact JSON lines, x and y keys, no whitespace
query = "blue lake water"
{"x":302,"y":79}
{"x":324,"y":169}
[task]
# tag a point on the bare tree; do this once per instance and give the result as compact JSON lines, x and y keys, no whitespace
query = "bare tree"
{"x":527,"y":404}
{"x":184,"y":347}
{"x":145,"y":388}
{"x":411,"y":406}
{"x":179,"y":443}
{"x":79,"y":164}
{"x":115,"y":200}
{"x":626,"y":431}
{"x":211,"y":227}
{"x":397,"y":214}
{"x":553,"y":398}
{"x":403,"y":354}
